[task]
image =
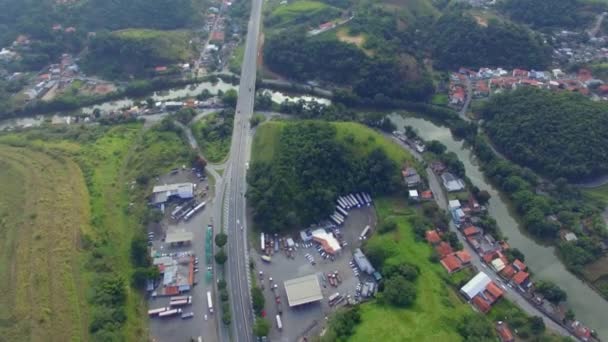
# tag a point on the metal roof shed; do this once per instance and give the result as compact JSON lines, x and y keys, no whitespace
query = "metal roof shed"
{"x":303,"y":290}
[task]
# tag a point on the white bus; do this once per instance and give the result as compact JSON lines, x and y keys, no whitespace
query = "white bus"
{"x":354,"y":200}
{"x":194,"y":210}
{"x":262,"y":242}
{"x":175,"y":298}
{"x":338,"y":215}
{"x":153,"y":312}
{"x":335,"y":219}
{"x":343,"y":203}
{"x":209,"y":302}
{"x":360,"y":198}
{"x":279,"y":323}
{"x":364,"y":233}
{"x":342,"y":211}
{"x":368,"y":197}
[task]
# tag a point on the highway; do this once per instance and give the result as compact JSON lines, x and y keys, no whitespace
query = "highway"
{"x":234,"y":218}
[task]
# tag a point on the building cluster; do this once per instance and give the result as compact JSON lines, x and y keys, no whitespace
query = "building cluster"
{"x":487,"y":81}
{"x":482,"y":292}
{"x":577,"y":47}
{"x":223,"y":39}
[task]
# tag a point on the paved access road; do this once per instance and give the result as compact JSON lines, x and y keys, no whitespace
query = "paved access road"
{"x":234,"y":219}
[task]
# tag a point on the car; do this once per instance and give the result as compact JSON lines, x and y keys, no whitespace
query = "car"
{"x":205,"y":317}
{"x":209,"y":268}
{"x":187,"y":315}
{"x":196,"y":270}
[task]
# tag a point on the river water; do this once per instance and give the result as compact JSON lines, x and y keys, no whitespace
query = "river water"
{"x":588,"y":306}
{"x":164,"y":95}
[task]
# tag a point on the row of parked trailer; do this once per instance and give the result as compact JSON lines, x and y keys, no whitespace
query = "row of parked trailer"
{"x":347,"y":202}
{"x":174,"y":308}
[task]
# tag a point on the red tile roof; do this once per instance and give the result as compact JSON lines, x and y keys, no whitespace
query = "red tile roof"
{"x":428,"y":194}
{"x":464,"y":256}
{"x":471,"y":230}
{"x":451,"y":263}
{"x":160,"y":68}
{"x":504,"y":332}
{"x":494,"y":290}
{"x":481,"y":304}
{"x":432,"y":237}
{"x":488,"y":257}
{"x":508,"y":272}
{"x":443,"y":249}
{"x":519,"y":265}
{"x":520,"y":277}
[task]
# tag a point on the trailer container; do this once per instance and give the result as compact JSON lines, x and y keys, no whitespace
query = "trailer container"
{"x":170,"y":313}
{"x":279,"y":323}
{"x":209,"y":302}
{"x":266,"y":258}
{"x":342,"y":211}
{"x":154,"y":312}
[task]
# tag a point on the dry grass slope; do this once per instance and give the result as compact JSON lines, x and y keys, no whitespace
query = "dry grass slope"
{"x":43,"y":207}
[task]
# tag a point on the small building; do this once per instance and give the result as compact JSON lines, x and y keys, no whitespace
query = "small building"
{"x":471,"y":231}
{"x":451,"y":263}
{"x":432,"y":237}
{"x":454,"y":204}
{"x":498,"y":265}
{"x":410,"y":177}
{"x":413,"y":195}
{"x":426,"y":195}
{"x":362,"y":262}
{"x":508,"y":272}
{"x":443,"y":249}
{"x":463,"y":256}
{"x":570,"y":237}
{"x":327,"y":241}
{"x":458,"y":216}
{"x":179,"y":237}
{"x":504,"y":332}
{"x":475,"y":285}
{"x":162,"y":193}
{"x":303,"y":290}
{"x":522,"y":279}
{"x":452,"y":183}
{"x":518,"y":265}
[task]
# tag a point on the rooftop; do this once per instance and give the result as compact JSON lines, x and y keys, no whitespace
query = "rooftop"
{"x":451,"y":263}
{"x":432,"y":236}
{"x":179,"y":236}
{"x":303,"y":290}
{"x":476,"y":285}
{"x":520,"y":277}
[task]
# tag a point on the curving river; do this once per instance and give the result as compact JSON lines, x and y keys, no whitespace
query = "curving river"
{"x":588,"y":306}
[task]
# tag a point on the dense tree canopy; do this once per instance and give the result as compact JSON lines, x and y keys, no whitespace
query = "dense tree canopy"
{"x":292,"y":54}
{"x":458,"y":40}
{"x":309,"y":169}
{"x":557,"y":134}
{"x":554,"y":13}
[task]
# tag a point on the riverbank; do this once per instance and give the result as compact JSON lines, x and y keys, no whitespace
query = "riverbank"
{"x":587,"y":304}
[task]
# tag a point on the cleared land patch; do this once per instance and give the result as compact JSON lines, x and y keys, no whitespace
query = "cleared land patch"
{"x":43,"y":208}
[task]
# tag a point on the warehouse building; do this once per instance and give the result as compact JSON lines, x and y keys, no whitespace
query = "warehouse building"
{"x":162,"y":193}
{"x":303,"y":290}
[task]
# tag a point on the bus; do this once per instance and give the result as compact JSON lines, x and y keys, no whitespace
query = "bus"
{"x":364,"y":233}
{"x":153,"y":312}
{"x":338,"y":215}
{"x":209,"y":302}
{"x":170,"y":313}
{"x":343,"y":203}
{"x":342,"y":211}
{"x":181,"y":302}
{"x":360,"y":198}
{"x":336,"y":220}
{"x":263,"y":244}
{"x":355,"y":200}
{"x":194,"y":210}
{"x":279,"y":323}
{"x":367,"y":197}
{"x":176,"y":298}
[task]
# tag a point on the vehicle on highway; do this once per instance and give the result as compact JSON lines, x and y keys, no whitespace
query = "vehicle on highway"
{"x":209,"y":302}
{"x":279,"y":323}
{"x":266,"y":258}
{"x":187,"y":315}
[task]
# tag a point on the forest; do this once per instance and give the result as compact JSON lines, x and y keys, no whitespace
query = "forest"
{"x":292,"y":54}
{"x":556,"y":134}
{"x":307,"y":172}
{"x":458,"y":40}
{"x":555,"y":14}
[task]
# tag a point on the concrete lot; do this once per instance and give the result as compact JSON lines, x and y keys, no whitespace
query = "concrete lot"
{"x":175,"y":328}
{"x":309,"y":319}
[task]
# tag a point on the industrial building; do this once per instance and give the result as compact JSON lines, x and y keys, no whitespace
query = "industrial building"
{"x":162,"y":193}
{"x":179,"y":237}
{"x":327,"y":240}
{"x":303,"y":290}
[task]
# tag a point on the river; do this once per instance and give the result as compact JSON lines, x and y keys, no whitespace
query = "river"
{"x":588,"y":306}
{"x":164,"y":95}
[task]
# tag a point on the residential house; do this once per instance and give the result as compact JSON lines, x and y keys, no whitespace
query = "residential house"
{"x":451,"y":263}
{"x":411,"y":177}
{"x":522,"y":279}
{"x":432,"y":237}
{"x":443,"y":249}
{"x":498,"y":265}
{"x":504,"y":332}
{"x":458,"y":216}
{"x":482,"y":88}
{"x":518,"y":265}
{"x":452,"y":183}
{"x":471,"y":231}
{"x":413,"y":195}
{"x":508,"y":272}
{"x":520,"y":73}
{"x":426,"y":195}
{"x":454,"y":204}
{"x":438,"y":167}
{"x":463,"y":256}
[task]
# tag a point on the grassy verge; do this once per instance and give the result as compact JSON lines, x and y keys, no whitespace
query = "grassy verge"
{"x":599,"y":193}
{"x":266,"y":140}
{"x":435,"y":314}
{"x":237,"y":59}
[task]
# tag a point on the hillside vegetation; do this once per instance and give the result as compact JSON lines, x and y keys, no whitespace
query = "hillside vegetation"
{"x":137,"y":51}
{"x":458,"y":40}
{"x":72,"y":206}
{"x":556,"y":134}
{"x":309,"y":167}
{"x":555,"y":14}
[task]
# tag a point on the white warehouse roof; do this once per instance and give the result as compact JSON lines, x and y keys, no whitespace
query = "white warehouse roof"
{"x":303,"y":290}
{"x":476,"y":285}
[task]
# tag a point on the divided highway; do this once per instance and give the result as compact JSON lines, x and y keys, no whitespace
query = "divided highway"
{"x":234,"y":218}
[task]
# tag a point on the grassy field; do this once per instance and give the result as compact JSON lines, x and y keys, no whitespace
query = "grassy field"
{"x":168,"y":45}
{"x":434,"y":315}
{"x":237,"y":59}
{"x":412,"y":8}
{"x":365,"y":139}
{"x":42,"y":215}
{"x":301,"y":11}
{"x":265,"y":141}
{"x":69,"y":208}
{"x":599,"y":193}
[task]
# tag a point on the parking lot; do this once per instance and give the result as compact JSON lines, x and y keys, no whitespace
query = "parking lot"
{"x":175,"y":328}
{"x":309,"y":319}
